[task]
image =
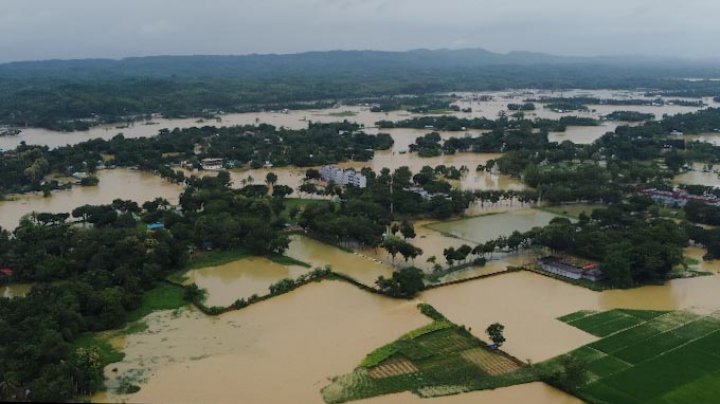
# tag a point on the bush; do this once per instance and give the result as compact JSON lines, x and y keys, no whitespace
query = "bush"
{"x":282,"y":286}
{"x":430,"y":311}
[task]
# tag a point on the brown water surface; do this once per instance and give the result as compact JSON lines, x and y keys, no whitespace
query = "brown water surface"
{"x":240,"y":279}
{"x":119,"y":183}
{"x":538,"y":393}
{"x":360,"y":267}
{"x":282,"y":350}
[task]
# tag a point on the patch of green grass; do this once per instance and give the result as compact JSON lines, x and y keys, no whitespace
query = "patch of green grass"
{"x":606,"y":323}
{"x":644,"y":314}
{"x":569,"y":318}
{"x":108,"y":354}
{"x":607,"y":365}
{"x":383,"y":353}
{"x":135,"y":327}
{"x":648,"y":348}
{"x":437,"y":351}
{"x":695,"y":392}
{"x":163,"y":297}
{"x":670,"y":357}
{"x":625,"y":338}
{"x":216,"y":258}
{"x":592,"y":391}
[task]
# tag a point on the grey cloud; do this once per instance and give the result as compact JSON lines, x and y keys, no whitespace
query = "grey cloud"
{"x":42,"y":29}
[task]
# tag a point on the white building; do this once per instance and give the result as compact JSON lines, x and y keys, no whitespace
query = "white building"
{"x":343,"y":177}
{"x":212,"y":164}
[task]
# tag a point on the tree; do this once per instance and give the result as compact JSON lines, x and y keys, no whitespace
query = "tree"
{"x":495,"y":332}
{"x":572,"y":374}
{"x":616,"y":265}
{"x":407,"y":229}
{"x":271,"y":178}
{"x":406,"y":282}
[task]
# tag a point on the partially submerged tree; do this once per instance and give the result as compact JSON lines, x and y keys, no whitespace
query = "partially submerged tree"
{"x":495,"y":332}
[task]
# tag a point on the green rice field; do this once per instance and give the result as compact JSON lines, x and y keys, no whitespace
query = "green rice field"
{"x":657,"y":357}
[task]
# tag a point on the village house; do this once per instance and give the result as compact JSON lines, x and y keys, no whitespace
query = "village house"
{"x":678,"y":198}
{"x":212,"y":164}
{"x":571,"y":268}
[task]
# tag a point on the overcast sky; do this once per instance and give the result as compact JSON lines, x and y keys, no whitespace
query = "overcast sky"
{"x":45,"y":29}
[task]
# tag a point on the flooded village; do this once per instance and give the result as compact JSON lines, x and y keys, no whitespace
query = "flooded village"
{"x":290,"y":347}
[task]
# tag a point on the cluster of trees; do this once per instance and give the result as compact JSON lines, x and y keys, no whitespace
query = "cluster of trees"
{"x":633,"y":246}
{"x":527,"y":106}
{"x":363,"y":215}
{"x":584,"y":101}
{"x":415,"y":104}
{"x":629,"y":116}
{"x":700,"y":212}
{"x":100,"y":275}
{"x":92,"y":272}
{"x":406,"y":282}
{"x":503,"y":122}
{"x":706,"y":120}
{"x":319,"y":144}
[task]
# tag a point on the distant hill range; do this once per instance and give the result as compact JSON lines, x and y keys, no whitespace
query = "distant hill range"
{"x":347,"y":62}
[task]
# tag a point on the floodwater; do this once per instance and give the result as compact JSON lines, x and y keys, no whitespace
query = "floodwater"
{"x":489,"y":227}
{"x":709,"y":137}
{"x":528,"y":305}
{"x":240,"y":279}
{"x":15,"y":290}
{"x":281,"y":350}
{"x":583,"y":134}
{"x":538,"y":393}
{"x":299,"y":119}
{"x":697,"y":254}
{"x":700,"y":175}
{"x":362,"y":268}
{"x":119,"y":183}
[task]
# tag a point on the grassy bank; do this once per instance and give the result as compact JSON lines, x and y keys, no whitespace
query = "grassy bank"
{"x":108,"y":354}
{"x":164,"y":297}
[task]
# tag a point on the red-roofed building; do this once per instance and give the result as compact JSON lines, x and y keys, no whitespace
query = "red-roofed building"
{"x":6,"y":272}
{"x":571,"y":268}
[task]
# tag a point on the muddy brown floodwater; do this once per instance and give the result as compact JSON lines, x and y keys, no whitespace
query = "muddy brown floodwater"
{"x":299,"y":119}
{"x":281,"y":350}
{"x":240,"y":279}
{"x":700,"y":175}
{"x":536,"y":393}
{"x":528,"y":305}
{"x":119,"y":183}
{"x":362,"y":268}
